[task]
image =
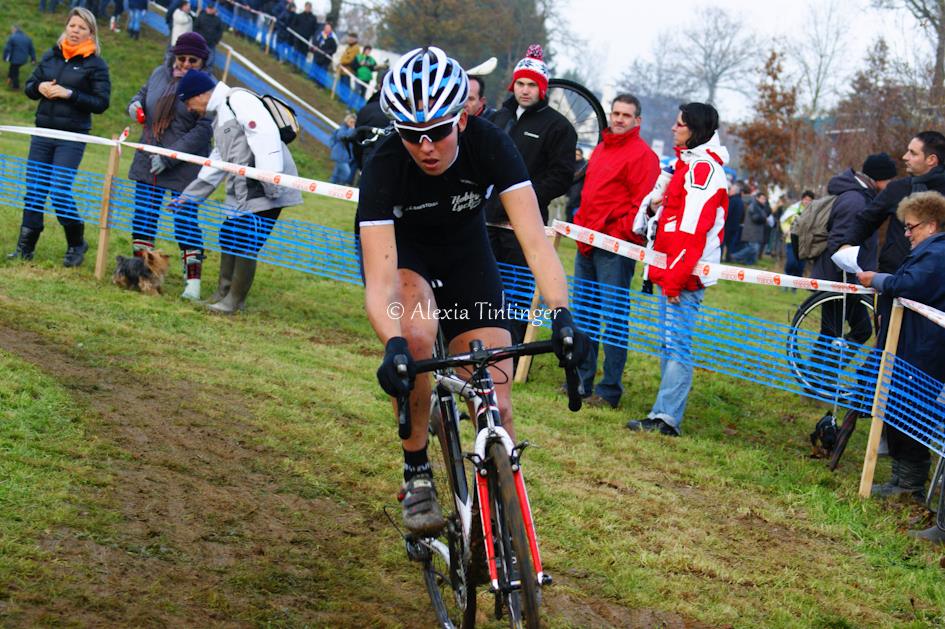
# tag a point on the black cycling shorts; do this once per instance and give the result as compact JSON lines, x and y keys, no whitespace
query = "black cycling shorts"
{"x":465,"y":280}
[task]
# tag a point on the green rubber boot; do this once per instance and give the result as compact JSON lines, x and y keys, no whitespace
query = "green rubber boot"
{"x":244,"y":271}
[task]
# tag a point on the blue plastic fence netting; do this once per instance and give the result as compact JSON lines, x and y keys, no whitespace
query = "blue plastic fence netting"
{"x":754,"y":350}
{"x":284,"y":49}
{"x":311,"y":124}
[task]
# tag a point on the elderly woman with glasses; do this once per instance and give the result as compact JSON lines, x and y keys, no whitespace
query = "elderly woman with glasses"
{"x":920,"y":340}
{"x":71,"y":82}
{"x":167,"y":123}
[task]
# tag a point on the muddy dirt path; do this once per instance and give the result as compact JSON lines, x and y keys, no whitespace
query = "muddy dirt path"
{"x":208,"y":535}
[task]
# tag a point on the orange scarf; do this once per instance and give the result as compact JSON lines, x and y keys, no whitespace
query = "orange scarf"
{"x":83,"y":49}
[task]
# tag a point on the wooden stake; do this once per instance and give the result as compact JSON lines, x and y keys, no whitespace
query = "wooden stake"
{"x":103,"y":217}
{"x":226,"y":66}
{"x":525,"y":362}
{"x":879,"y":399}
{"x":334,"y":84}
{"x":272,"y":28}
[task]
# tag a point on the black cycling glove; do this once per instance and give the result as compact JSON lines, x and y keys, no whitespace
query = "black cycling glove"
{"x":391,"y":379}
{"x":562,"y":325}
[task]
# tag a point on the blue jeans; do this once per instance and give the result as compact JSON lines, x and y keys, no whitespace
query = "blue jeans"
{"x":748,"y":254}
{"x":342,"y":173}
{"x":792,"y":265}
{"x":134,"y":19}
{"x":246,"y":234}
{"x":604,"y":267}
{"x":676,"y":323}
{"x":148,"y":202}
{"x":52,"y":5}
{"x":50,"y":173}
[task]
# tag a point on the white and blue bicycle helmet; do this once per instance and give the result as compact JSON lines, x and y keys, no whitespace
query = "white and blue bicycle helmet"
{"x":424,"y":85}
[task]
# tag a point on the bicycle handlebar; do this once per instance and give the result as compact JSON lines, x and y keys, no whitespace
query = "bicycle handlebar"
{"x":483,"y":356}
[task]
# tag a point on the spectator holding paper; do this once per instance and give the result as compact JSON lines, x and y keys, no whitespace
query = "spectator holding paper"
{"x":920,"y":340}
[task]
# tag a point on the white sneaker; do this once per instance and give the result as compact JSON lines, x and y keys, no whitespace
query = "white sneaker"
{"x":191,"y":290}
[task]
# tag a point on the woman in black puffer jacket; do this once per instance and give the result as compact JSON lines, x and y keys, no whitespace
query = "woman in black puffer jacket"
{"x":71,"y":83}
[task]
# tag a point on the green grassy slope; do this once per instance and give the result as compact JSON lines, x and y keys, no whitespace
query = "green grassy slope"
{"x":163,"y":467}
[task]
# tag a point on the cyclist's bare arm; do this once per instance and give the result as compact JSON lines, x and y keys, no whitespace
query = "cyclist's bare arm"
{"x":521,"y":205}
{"x":381,"y":281}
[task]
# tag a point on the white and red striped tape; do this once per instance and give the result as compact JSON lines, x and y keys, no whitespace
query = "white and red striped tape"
{"x":709,"y":270}
{"x":930,"y":313}
{"x":345,"y":193}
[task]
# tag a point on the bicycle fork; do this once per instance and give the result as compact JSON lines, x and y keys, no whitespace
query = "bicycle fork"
{"x":485,"y":505}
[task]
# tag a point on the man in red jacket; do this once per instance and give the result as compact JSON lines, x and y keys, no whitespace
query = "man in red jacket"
{"x":621,"y":171}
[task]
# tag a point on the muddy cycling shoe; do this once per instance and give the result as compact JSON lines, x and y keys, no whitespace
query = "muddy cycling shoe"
{"x":422,"y":515}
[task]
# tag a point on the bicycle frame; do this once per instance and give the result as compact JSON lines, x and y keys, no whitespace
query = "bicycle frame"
{"x":480,"y":393}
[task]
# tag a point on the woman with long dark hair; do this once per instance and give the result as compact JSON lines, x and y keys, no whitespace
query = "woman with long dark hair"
{"x":71,"y":83}
{"x":167,"y":123}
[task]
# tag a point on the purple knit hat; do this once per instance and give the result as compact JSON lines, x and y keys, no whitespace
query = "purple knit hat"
{"x":191,"y":44}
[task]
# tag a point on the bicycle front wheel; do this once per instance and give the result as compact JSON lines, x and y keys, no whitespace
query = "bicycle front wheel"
{"x":582,"y":109}
{"x":518,"y":583}
{"x":827,"y":337}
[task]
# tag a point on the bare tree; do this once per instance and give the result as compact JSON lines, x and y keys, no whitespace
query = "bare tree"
{"x":817,"y":53}
{"x":717,"y":48}
{"x":931,"y":15}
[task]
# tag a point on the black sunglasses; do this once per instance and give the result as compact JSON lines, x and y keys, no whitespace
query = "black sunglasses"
{"x":433,"y":134}
{"x":190,"y":60}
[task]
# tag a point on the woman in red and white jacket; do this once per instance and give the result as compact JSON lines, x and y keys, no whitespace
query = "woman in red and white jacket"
{"x":692,"y":202}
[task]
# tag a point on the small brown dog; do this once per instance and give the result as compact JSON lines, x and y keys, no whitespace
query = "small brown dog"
{"x":145,"y":273}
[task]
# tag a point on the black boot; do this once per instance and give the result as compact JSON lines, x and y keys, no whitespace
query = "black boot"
{"x":244,"y":272}
{"x":75,"y":239}
{"x":26,"y":244}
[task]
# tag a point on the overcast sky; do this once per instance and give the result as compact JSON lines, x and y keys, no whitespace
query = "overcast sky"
{"x":620,"y":31}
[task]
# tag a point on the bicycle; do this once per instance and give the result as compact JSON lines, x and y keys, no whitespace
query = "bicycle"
{"x":498,"y":501}
{"x":582,"y":109}
{"x":828,"y":328}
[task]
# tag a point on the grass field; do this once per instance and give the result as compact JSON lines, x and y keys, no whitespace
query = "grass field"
{"x":161,"y":467}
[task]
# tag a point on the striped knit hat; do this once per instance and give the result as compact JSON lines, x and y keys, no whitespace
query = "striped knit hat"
{"x":532,"y":67}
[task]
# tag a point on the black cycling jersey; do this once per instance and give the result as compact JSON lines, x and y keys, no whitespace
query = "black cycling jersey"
{"x":439,"y":223}
{"x":427,"y":208}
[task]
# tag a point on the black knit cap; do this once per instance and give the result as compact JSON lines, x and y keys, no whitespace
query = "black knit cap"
{"x":879,"y":167}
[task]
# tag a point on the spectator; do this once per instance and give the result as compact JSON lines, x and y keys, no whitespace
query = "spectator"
{"x":924,"y":159}
{"x":341,"y":139}
{"x":168,"y":123}
{"x":574,"y":192}
{"x":621,"y":171}
{"x":476,"y":104}
{"x":136,"y":11}
{"x":53,"y":4}
{"x":546,"y":141}
{"x":172,"y":6}
{"x":244,"y":133}
{"x":117,"y":10}
{"x":920,"y":340}
{"x":305,"y":24}
{"x":182,"y":21}
{"x":210,"y":27}
{"x":17,"y":51}
{"x":792,"y":265}
{"x":853,"y":192}
{"x":774,"y":246}
{"x":350,"y":53}
{"x":753,"y":230}
{"x":734,"y":218}
{"x":365,"y":64}
{"x":71,"y":82}
{"x":284,"y":22}
{"x":327,"y":44}
{"x":689,"y":229}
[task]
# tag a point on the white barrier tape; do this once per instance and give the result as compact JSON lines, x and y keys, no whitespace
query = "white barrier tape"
{"x":609,"y":243}
{"x":930,"y":313}
{"x":279,"y":86}
{"x":345,"y":193}
{"x":709,"y":270}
